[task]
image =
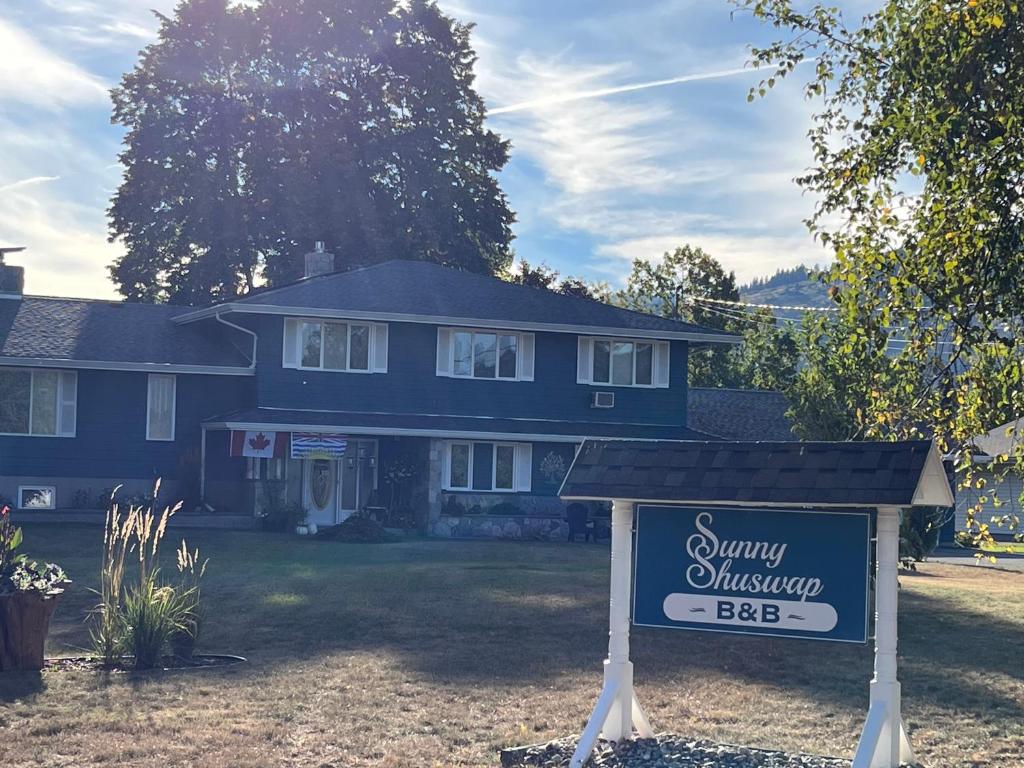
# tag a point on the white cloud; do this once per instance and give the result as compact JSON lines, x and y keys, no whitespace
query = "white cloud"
{"x":66,"y":246}
{"x":20,"y":183}
{"x":748,"y":256}
{"x":33,"y":74}
{"x":563,"y":98}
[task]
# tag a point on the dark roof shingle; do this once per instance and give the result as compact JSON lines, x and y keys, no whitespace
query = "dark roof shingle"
{"x":424,"y":290}
{"x":849,"y":473}
{"x":739,"y":414}
{"x":85,"y":330}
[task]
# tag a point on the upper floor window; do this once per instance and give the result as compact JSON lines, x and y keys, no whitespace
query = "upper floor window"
{"x":161,"y":406}
{"x":484,"y":354}
{"x":623,"y":362}
{"x":38,"y":402}
{"x":335,"y":345}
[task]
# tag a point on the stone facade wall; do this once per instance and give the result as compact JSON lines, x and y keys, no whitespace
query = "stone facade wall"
{"x":500,"y":527}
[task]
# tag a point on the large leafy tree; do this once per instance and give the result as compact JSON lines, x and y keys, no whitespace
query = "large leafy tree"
{"x":254,"y":130}
{"x":919,"y":175}
{"x":679,"y":286}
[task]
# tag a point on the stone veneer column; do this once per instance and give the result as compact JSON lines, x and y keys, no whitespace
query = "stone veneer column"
{"x":435,"y":465}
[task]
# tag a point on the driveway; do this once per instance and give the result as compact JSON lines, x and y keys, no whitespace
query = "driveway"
{"x":960,"y":556}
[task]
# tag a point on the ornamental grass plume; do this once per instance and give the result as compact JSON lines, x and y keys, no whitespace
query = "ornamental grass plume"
{"x":132,"y":619}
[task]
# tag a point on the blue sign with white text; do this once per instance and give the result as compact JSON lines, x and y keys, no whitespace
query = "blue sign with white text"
{"x":790,"y":573}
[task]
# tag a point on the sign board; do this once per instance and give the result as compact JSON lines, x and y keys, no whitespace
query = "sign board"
{"x":318,"y":445}
{"x":756,"y":571}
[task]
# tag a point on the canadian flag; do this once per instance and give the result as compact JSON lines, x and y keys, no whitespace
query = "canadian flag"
{"x":259,"y":444}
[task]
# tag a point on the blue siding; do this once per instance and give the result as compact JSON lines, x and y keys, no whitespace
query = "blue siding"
{"x":412,"y":386}
{"x":111,"y":428}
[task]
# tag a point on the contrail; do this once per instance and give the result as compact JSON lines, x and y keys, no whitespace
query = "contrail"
{"x":534,"y":103}
{"x":27,"y":182}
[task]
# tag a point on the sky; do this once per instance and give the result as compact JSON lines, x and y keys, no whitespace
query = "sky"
{"x":630,"y":128}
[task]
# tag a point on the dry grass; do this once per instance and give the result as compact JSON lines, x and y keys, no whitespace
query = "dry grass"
{"x":439,"y":653}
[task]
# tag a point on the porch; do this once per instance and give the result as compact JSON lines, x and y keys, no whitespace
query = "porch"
{"x":438,"y":486}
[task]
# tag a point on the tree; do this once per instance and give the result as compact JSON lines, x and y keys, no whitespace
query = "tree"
{"x":254,"y":130}
{"x":768,"y":357}
{"x":673,"y":288}
{"x":919,"y":162}
{"x":543,"y":276}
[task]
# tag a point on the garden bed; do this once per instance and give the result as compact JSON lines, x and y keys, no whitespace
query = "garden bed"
{"x":664,"y":751}
{"x":126,"y":665}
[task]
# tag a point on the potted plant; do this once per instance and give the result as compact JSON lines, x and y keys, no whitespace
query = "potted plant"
{"x":28,"y":597}
{"x":299,"y":515}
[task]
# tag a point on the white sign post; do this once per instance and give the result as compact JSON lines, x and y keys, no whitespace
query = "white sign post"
{"x":883,"y":742}
{"x":617,"y":711}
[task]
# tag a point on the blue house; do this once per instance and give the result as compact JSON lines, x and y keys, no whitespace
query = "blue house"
{"x":404,"y":384}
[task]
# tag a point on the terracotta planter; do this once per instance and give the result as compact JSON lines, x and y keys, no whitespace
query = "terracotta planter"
{"x":24,"y":622}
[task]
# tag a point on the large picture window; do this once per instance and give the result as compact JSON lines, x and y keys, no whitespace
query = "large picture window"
{"x":39,"y":402}
{"x":481,"y":466}
{"x":160,"y":406}
{"x":329,"y":345}
{"x":482,"y":354}
{"x":623,"y":362}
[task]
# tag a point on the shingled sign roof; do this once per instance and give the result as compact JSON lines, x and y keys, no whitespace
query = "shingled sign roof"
{"x":774,"y":473}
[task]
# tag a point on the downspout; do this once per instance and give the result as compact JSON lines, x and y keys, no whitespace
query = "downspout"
{"x":252,"y":367}
{"x":255,"y":338}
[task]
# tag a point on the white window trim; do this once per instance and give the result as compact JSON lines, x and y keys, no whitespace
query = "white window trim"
{"x":471,"y":444}
{"x":525,"y":342}
{"x":635,"y":342}
{"x":51,"y":488}
{"x":62,"y":430}
{"x":448,"y":466}
{"x":497,"y":354}
{"x":494,"y":467}
{"x":373,"y":329}
{"x":174,"y":406}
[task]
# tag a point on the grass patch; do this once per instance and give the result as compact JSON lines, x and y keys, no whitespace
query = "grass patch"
{"x":437,"y":653}
{"x":1004,"y":547}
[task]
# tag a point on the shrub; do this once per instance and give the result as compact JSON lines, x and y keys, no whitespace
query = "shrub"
{"x":82,"y":499}
{"x":151,"y":617}
{"x":358,"y":530}
{"x":507,"y":508}
{"x":141,"y":618}
{"x":17,"y":573}
{"x":919,"y":533}
{"x":453,"y":507}
{"x":281,"y":517}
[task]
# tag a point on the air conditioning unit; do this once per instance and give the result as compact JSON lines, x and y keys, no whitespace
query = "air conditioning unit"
{"x":603,"y":400}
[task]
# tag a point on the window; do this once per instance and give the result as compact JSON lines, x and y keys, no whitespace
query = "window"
{"x":264,"y":469}
{"x":160,"y":406}
{"x":479,"y":466}
{"x":504,"y":468}
{"x":37,"y":497}
{"x":475,"y":354}
{"x":325,"y":345}
{"x":461,"y":458}
{"x":623,"y":363}
{"x":39,"y":402}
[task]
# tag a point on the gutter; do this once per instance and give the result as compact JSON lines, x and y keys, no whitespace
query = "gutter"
{"x":255,"y":338}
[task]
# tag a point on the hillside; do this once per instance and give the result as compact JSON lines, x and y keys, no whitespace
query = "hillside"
{"x":787,"y":287}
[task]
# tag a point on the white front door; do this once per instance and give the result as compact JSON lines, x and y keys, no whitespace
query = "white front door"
{"x":320,"y":490}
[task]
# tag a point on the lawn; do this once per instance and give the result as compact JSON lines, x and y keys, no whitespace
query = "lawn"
{"x":431,"y":653}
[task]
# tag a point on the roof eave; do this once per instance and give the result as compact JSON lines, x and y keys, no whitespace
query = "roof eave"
{"x":472,"y":322}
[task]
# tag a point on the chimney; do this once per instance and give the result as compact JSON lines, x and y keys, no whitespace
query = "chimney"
{"x":319,"y":261}
{"x":12,"y":279}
